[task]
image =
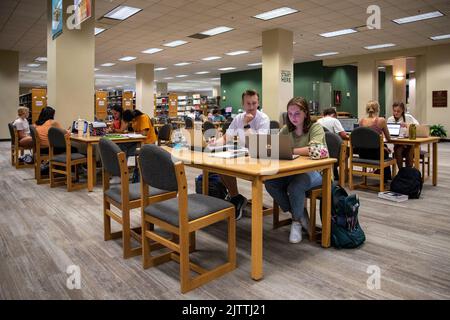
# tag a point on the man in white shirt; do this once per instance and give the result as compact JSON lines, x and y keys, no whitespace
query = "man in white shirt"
{"x":250,"y":121}
{"x":332,"y":124}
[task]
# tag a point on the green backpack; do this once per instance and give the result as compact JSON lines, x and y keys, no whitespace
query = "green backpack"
{"x":345,"y":229}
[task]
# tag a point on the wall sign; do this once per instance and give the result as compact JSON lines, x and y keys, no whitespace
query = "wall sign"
{"x":57,"y":18}
{"x":82,"y":10}
{"x":440,"y":99}
{"x":286,"y":76}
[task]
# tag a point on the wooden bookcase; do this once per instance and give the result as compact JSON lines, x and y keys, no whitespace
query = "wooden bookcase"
{"x":35,"y":100}
{"x":127,"y":100}
{"x":173,"y":105}
{"x":101,"y":105}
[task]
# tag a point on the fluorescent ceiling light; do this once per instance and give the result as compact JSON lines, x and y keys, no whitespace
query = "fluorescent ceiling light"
{"x":41,"y":59}
{"x":168,"y":78}
{"x":211,"y":58}
{"x":236,"y":53}
{"x":152,"y":50}
{"x":441,"y":37}
{"x":380,"y":46}
{"x":160,"y":69}
{"x":175,"y":43}
{"x":424,"y":16}
{"x":182,"y":76}
{"x":255,"y":64}
{"x":180,"y":64}
{"x":215,"y":31}
{"x":122,"y":12}
{"x":215,"y":79}
{"x":275,"y":13}
{"x":338,"y":33}
{"x":98,"y":30}
{"x":324,"y":54}
{"x":108,"y":64}
{"x":96,"y":69}
{"x":202,"y":72}
{"x":33,"y":65}
{"x":226,"y":69}
{"x":127,"y":58}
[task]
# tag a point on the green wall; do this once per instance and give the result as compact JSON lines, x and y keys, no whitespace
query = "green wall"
{"x":344,"y":79}
{"x":233,"y":84}
{"x":382,"y":92}
{"x":304,"y":75}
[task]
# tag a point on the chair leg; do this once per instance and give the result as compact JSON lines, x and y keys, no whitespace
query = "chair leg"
{"x":381,"y":179}
{"x":146,"y":258}
{"x":52,"y":177}
{"x":184,"y":262}
{"x":192,"y":241}
{"x":126,"y":233}
{"x":232,"y":240}
{"x":106,"y":221}
{"x":350,"y":177}
{"x":312,"y":218}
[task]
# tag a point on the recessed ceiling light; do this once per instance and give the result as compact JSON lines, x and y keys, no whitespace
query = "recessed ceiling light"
{"x":275,"y":13}
{"x":226,"y":69}
{"x":41,"y":59}
{"x":180,"y":64}
{"x":441,"y":37}
{"x":160,"y":69}
{"x":127,"y":58}
{"x":211,"y":58}
{"x":108,"y":64}
{"x":380,"y":46}
{"x":214,"y":79}
{"x":122,"y":12}
{"x":175,"y":43}
{"x":33,"y":65}
{"x":152,"y":50}
{"x":324,"y":54}
{"x":236,"y":53}
{"x":338,"y":33}
{"x":255,"y":64}
{"x":168,"y":78}
{"x":381,"y":68}
{"x":215,"y":31}
{"x":423,"y":16}
{"x":98,"y":31}
{"x":202,"y":72}
{"x":182,"y":76}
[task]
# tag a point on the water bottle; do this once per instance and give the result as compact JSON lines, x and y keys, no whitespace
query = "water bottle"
{"x":80,"y":125}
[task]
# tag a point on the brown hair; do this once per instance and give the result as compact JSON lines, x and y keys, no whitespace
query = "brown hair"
{"x":22,"y":110}
{"x":401,"y":106}
{"x":249,"y":93}
{"x":329,"y":111}
{"x":372,"y":108}
{"x":302,"y":104}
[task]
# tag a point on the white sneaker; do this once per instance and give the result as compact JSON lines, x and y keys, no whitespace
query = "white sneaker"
{"x":296,"y":232}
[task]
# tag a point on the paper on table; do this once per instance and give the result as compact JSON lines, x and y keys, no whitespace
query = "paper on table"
{"x":229,"y":154}
{"x":133,"y":135}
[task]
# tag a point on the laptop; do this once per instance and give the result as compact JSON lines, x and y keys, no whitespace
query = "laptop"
{"x":394,"y":129}
{"x":348,"y":124}
{"x":266,"y":146}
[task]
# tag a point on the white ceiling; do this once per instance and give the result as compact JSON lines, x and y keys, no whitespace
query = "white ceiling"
{"x":23,"y":28}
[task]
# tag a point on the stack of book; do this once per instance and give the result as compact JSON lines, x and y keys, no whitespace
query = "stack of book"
{"x":392,"y":196}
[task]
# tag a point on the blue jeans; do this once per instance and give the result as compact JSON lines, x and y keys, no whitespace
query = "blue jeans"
{"x":289,"y":192}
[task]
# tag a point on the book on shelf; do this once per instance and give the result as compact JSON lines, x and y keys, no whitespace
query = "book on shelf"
{"x":392,"y":196}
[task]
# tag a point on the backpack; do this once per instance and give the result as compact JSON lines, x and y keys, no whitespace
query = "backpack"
{"x":345,"y":229}
{"x":408,"y":181}
{"x":216,"y":188}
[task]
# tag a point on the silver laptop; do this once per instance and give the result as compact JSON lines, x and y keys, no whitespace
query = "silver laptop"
{"x":348,"y":123}
{"x":394,"y":129}
{"x":266,"y":146}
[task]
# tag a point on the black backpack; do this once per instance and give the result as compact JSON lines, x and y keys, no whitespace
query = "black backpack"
{"x":215,"y":185}
{"x":408,"y":181}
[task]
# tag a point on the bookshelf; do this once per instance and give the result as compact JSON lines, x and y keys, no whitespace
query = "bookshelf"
{"x":125,"y":99}
{"x":101,"y":105}
{"x":173,"y":105}
{"x":128,"y":101}
{"x":35,"y":101}
{"x":161,"y":105}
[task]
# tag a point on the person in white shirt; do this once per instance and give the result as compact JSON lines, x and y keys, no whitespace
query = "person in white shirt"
{"x":23,"y":128}
{"x":332,"y":124}
{"x":402,"y":151}
{"x":250,"y":121}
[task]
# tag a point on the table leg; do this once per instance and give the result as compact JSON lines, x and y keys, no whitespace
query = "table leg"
{"x":326,"y":207}
{"x":257,"y":230}
{"x":90,"y":168}
{"x":435,"y":163}
{"x":417,"y":156}
{"x":205,"y":182}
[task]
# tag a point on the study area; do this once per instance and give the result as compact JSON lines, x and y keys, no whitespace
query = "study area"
{"x":224,"y":150}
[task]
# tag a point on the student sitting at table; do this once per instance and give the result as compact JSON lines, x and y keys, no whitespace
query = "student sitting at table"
{"x":118,"y":125}
{"x":140,"y":123}
{"x":378,"y":124}
{"x":23,"y":128}
{"x":217,"y":117}
{"x":332,"y":124}
{"x":290,"y":192}
{"x":402,"y":151}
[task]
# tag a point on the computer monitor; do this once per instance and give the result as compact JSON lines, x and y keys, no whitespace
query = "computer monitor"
{"x":348,"y":123}
{"x":394,"y":129}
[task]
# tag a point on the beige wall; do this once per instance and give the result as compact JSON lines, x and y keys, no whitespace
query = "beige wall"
{"x":9,"y":90}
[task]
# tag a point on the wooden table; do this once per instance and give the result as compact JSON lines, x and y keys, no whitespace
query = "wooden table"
{"x":416,"y":145}
{"x":257,"y":171}
{"x":91,"y":162}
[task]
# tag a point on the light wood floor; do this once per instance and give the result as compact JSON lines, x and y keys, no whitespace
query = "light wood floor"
{"x":43,"y":231}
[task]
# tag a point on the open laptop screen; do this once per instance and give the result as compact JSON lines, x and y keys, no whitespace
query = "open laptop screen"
{"x":348,"y":123}
{"x":394,"y":129}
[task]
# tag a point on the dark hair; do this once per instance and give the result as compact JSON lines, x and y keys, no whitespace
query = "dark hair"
{"x":137,"y":113}
{"x":47,"y":113}
{"x":249,"y":93}
{"x":302,"y":104}
{"x":215,"y":111}
{"x":127,"y":115}
{"x":329,"y":112}
{"x":401,"y":106}
{"x":118,"y":109}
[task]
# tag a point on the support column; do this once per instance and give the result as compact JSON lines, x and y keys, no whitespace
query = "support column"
{"x":145,"y":76}
{"x":277,"y":71}
{"x":422,"y":101}
{"x":216,"y":91}
{"x":399,"y":72}
{"x":412,"y":94}
{"x":367,"y":83}
{"x":161,"y":88}
{"x":9,"y":90}
{"x":70,"y":68}
{"x":389,"y":90}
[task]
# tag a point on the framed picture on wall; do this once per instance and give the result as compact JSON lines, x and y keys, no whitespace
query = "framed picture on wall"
{"x":337,"y":98}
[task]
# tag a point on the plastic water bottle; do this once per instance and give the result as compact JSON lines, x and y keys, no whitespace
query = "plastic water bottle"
{"x":80,"y":125}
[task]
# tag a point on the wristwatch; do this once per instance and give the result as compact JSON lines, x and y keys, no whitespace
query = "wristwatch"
{"x":247,"y":126}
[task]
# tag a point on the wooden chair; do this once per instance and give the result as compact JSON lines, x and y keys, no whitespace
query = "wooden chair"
{"x":40,"y":155}
{"x":16,"y":150}
{"x":63,"y":163}
{"x":182,"y":216}
{"x":188,"y":123}
{"x":124,"y":196}
{"x":366,"y":138}
{"x":165,"y":135}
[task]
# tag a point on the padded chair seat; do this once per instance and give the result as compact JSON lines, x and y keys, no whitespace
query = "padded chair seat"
{"x":115,"y":192}
{"x":199,"y":205}
{"x":370,"y":161}
{"x":62,"y":157}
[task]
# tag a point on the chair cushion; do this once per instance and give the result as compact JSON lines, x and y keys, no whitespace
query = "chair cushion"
{"x":62,"y":157}
{"x":115,"y":192}
{"x":199,"y":205}
{"x":370,"y":161}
